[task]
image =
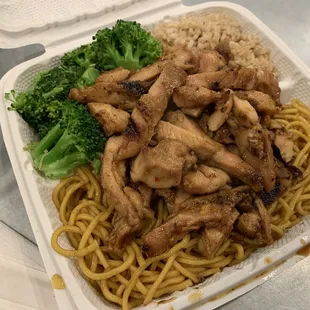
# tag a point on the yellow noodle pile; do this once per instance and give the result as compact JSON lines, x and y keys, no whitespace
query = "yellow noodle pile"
{"x":131,"y":280}
{"x":289,"y":209}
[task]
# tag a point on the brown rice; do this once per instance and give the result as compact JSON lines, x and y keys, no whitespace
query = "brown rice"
{"x":205,"y":31}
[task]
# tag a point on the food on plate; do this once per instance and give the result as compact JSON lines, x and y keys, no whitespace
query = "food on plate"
{"x":127,"y":46}
{"x":215,"y":31}
{"x":202,"y":164}
{"x":226,"y":226}
{"x":74,"y":141}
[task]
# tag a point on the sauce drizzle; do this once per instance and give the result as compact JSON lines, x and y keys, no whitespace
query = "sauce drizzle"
{"x":57,"y":282}
{"x":194,"y":297}
{"x":305,"y":251}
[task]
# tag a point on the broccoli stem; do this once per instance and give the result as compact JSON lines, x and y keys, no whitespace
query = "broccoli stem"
{"x":64,"y":166}
{"x":64,"y":143}
{"x":55,"y":91}
{"x":47,"y":142}
{"x":131,"y":59}
{"x":88,"y":77}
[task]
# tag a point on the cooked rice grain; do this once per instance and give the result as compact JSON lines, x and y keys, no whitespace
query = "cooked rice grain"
{"x":205,"y":31}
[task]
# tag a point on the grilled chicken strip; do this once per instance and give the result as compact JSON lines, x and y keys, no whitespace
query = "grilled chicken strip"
{"x":136,"y":88}
{"x":194,"y":96}
{"x":255,"y":225}
{"x":210,"y":61}
{"x":204,"y":147}
{"x":221,"y":113}
{"x":122,"y":232}
{"x":239,"y":79}
{"x":205,"y":180}
{"x":109,"y":93}
{"x":244,"y":112}
{"x":224,"y":136}
{"x":194,"y":112}
{"x":132,"y":205}
{"x":179,"y":119}
{"x":249,"y":224}
{"x":262,"y":103}
{"x":268,"y":84}
{"x":223,"y":48}
{"x":213,"y":238}
{"x":112,"y":120}
{"x":149,"y":111}
{"x":149,"y":72}
{"x":138,"y":133}
{"x":165,"y":236}
{"x":115,"y":75}
{"x":244,"y":78}
{"x":285,"y":174}
{"x":162,"y":166}
{"x":284,"y":141}
{"x":174,"y":198}
{"x":215,"y":153}
{"x":204,"y":211}
{"x":185,"y":59}
{"x":113,"y":181}
{"x":255,"y":148}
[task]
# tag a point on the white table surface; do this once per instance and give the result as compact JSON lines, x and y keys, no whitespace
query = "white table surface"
{"x":290,"y":19}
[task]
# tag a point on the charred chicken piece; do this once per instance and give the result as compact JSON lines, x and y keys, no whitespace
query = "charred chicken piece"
{"x":211,"y":61}
{"x":284,"y":141}
{"x":208,"y":150}
{"x":149,"y":111}
{"x":205,"y":180}
{"x":244,"y":78}
{"x":223,"y":48}
{"x":194,"y":97}
{"x":222,"y":110}
{"x":115,"y":75}
{"x":213,"y":238}
{"x":112,"y":120}
{"x":255,"y":148}
{"x":262,"y":103}
{"x":211,"y":211}
{"x":162,"y":166}
{"x":268,"y":84}
{"x":193,"y":112}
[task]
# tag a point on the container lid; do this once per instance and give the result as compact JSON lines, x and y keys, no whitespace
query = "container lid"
{"x":26,"y":21}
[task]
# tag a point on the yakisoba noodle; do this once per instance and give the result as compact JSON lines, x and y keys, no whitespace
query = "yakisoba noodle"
{"x":131,"y":280}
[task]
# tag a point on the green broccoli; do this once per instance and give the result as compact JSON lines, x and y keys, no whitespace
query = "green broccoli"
{"x":41,"y":106}
{"x":74,"y":141}
{"x":39,"y":113}
{"x":69,"y":135}
{"x":57,"y":82}
{"x":126,"y":45}
{"x":83,"y":56}
{"x":88,"y":77}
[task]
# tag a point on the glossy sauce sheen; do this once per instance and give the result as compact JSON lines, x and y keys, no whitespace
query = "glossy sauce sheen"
{"x":57,"y":282}
{"x":194,"y":297}
{"x":262,"y":274}
{"x":305,"y":251}
{"x":268,"y":260}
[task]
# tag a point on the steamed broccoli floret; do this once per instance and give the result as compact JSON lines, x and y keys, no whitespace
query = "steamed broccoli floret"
{"x":126,"y":45}
{"x":74,"y":141}
{"x":57,"y":82}
{"x":88,"y":77}
{"x":40,"y":114}
{"x":41,"y":106}
{"x":69,"y":135}
{"x":83,"y":56}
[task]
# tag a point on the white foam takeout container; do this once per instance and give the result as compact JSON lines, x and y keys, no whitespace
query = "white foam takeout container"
{"x":36,"y":191}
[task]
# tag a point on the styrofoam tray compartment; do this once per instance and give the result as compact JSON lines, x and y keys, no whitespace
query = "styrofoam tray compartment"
{"x":36,"y":191}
